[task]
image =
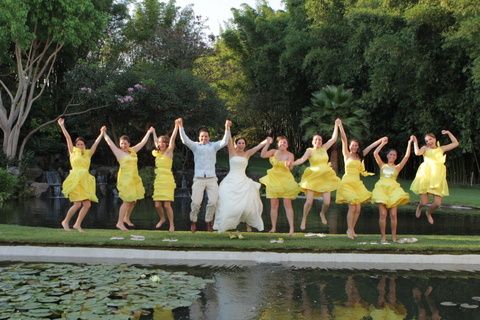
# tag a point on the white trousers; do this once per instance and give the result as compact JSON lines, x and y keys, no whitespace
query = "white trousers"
{"x":200,"y":185}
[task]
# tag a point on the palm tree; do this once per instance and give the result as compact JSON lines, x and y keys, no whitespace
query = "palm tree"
{"x":328,"y":104}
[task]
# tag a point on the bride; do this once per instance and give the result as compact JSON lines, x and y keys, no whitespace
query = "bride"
{"x":238,"y":195}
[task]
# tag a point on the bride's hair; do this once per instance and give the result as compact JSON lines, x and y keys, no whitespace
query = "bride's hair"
{"x":240,"y":138}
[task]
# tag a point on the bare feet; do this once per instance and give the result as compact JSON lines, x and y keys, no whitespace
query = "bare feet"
{"x":129,"y":223}
{"x":121,"y":226}
{"x":323,"y":218}
{"x":65,"y":225}
{"x":171,"y":228}
{"x":78,"y":228}
{"x":249,"y":229}
{"x":291,"y":232}
{"x":302,"y":225}
{"x":159,"y":224}
{"x":418,"y":211}
{"x":429,"y":217}
{"x":273,"y":230}
{"x":193,"y":226}
{"x":350,"y":235}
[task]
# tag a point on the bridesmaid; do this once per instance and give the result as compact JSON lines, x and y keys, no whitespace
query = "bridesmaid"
{"x":279,"y":181}
{"x":431,"y":177}
{"x":319,"y":178}
{"x":164,"y":185}
{"x":388,"y":193}
{"x":351,"y":189}
{"x":129,"y":183}
{"x":79,"y":186}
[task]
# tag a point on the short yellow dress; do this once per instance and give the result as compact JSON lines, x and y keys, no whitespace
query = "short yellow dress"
{"x":80,"y":184}
{"x":389,"y":312}
{"x":319,"y":177}
{"x":279,"y":181}
{"x":351,"y":189}
{"x":431,"y":176}
{"x":129,"y":184}
{"x":164,"y":185}
{"x":357,"y":311}
{"x":387,"y":190}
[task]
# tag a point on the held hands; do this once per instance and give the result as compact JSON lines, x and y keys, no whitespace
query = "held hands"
{"x":445,"y":132}
{"x":338,"y":122}
{"x":228,"y":124}
{"x":384,"y":140}
{"x":413,"y":138}
{"x":103,"y":130}
{"x":269,"y":140}
{"x":179,"y":122}
{"x":61,"y":122}
{"x":151,"y":130}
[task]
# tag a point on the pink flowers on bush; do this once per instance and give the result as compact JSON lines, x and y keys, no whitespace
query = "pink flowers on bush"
{"x":131,"y":92}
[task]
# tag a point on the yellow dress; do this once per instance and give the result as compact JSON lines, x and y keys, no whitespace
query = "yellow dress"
{"x":389,"y":312}
{"x":80,"y":184}
{"x":164,"y":184}
{"x":431,"y":176}
{"x":387,"y":190}
{"x":129,"y":184}
{"x":319,"y":177}
{"x":351,"y":189}
{"x":279,"y":181}
{"x":357,"y":311}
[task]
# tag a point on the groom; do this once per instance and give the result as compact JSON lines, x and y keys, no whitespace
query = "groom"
{"x":205,"y":178}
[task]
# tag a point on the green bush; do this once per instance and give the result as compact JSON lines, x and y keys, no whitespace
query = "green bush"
{"x":148,"y":177}
{"x":8,"y":183}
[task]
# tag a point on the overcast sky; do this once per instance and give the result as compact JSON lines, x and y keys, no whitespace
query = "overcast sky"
{"x":218,"y":11}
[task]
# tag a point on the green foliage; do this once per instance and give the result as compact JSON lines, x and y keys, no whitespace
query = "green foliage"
{"x":8,"y":183}
{"x":148,"y":177}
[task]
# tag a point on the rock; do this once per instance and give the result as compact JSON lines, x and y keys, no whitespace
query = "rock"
{"x":38,"y":188}
{"x":33,"y":173}
{"x":13,"y":171}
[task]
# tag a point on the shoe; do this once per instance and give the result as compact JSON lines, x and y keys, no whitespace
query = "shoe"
{"x":209,"y":226}
{"x":193,"y":227}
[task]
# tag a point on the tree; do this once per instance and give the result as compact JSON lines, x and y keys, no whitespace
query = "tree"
{"x":328,"y":104}
{"x":33,"y":33}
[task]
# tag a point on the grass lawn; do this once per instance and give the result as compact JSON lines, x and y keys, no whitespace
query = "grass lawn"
{"x":427,"y":244}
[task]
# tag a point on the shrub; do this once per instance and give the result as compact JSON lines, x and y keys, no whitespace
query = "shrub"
{"x":8,"y":183}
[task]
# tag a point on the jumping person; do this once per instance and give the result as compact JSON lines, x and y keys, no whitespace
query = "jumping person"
{"x":279,"y":181}
{"x":388,"y":193}
{"x":129,"y":183}
{"x":319,"y":178}
{"x":205,"y":178}
{"x":79,"y":186}
{"x":164,"y":185}
{"x":431,"y":177}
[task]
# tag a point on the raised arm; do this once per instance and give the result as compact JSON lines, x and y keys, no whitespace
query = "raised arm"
{"x":144,"y":140}
{"x":418,"y":151}
{"x":173,"y":137}
{"x":231,"y":146}
{"x":451,"y":145}
{"x":265,"y":152}
{"x":155,"y":138}
{"x":259,"y":146}
{"x":226,"y":136}
{"x":183,"y":136}
{"x":334,"y":137}
{"x":61,"y":123}
{"x":371,"y":146}
{"x":343,"y":137}
{"x":119,"y":154}
{"x":376,"y":153}
{"x":304,"y":158}
{"x":406,"y":156}
{"x":95,"y":144}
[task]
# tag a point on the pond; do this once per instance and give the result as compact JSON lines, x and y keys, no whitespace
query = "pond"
{"x":50,"y":212}
{"x":264,"y":291}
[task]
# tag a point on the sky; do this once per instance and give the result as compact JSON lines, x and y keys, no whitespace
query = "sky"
{"x":218,"y":11}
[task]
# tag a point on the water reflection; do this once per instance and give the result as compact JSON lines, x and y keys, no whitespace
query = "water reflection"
{"x":50,"y":212}
{"x":275,"y":292}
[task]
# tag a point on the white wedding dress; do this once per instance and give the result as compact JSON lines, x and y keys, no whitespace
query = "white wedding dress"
{"x":238,"y":199}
